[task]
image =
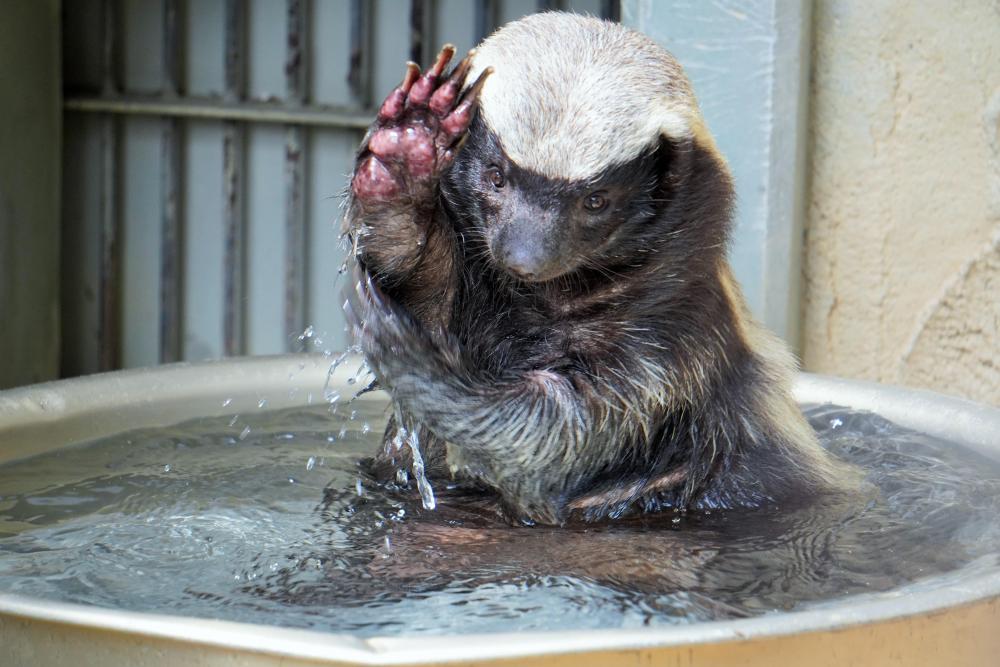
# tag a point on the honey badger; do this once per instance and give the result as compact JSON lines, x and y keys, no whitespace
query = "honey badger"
{"x":541,"y":239}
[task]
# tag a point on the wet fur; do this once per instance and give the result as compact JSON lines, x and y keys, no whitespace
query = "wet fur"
{"x":633,"y":382}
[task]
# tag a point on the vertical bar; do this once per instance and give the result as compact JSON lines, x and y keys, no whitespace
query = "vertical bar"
{"x":611,"y":10}
{"x":109,"y":271}
{"x":109,"y":46}
{"x":295,"y":219}
{"x":171,"y":229}
{"x":233,"y":164}
{"x":419,"y":31}
{"x":359,"y":76}
{"x":487,"y":13}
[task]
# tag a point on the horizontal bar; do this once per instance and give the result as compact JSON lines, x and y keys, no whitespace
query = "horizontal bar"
{"x":214,"y":109}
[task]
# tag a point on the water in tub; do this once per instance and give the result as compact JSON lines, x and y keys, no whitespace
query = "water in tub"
{"x":264,"y":518}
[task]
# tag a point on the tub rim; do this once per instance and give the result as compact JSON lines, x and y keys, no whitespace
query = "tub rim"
{"x":30,"y":410}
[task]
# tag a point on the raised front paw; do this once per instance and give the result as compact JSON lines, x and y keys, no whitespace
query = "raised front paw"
{"x":417,"y":132}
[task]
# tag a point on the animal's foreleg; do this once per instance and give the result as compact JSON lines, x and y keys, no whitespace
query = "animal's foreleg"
{"x":394,"y":188}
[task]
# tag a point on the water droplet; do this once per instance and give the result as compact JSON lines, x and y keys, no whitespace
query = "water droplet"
{"x":232,"y":422}
{"x":244,"y":433}
{"x":311,"y":463}
{"x":836,"y":422}
{"x":354,"y":414}
{"x":388,"y":544}
{"x":261,"y":403}
{"x":226,"y":403}
{"x":166,"y":468}
{"x":292,"y":480}
{"x":358,"y":488}
{"x":366,"y":428}
{"x":343,"y":432}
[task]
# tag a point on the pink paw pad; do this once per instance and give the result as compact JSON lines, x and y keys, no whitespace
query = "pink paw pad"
{"x":418,"y":146}
{"x":373,"y":182}
{"x":386,"y":143}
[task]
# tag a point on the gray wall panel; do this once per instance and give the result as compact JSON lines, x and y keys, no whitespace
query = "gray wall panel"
{"x":141,"y":250}
{"x":266,"y":241}
{"x":203,"y":242}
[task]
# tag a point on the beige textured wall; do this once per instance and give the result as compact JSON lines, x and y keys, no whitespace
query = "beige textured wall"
{"x":902,"y":266}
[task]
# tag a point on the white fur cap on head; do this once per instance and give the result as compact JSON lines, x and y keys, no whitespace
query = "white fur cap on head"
{"x":571,"y":95}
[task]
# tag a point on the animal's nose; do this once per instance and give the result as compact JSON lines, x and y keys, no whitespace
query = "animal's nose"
{"x":522,"y":261}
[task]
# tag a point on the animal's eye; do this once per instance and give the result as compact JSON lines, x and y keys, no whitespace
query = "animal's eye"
{"x":495,"y":176}
{"x":595,"y":202}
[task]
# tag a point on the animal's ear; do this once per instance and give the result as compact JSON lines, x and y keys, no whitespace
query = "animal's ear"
{"x":666,"y":152}
{"x":672,"y":164}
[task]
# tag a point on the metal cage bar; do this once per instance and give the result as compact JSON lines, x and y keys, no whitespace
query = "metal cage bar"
{"x":171,"y":179}
{"x":486,"y":17}
{"x":359,"y":74}
{"x":296,"y":82}
{"x":110,"y":261}
{"x":420,"y":28}
{"x":611,"y":10}
{"x":551,"y":5}
{"x":234,"y":185}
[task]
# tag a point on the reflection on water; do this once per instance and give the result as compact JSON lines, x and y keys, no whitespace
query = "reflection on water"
{"x":267,"y":519}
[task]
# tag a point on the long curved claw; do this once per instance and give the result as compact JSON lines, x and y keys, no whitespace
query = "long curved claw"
{"x":458,"y":121}
{"x":392,"y":107}
{"x":444,"y":97}
{"x":424,"y":87}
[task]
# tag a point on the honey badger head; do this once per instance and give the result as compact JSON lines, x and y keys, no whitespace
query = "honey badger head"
{"x":582,"y":140}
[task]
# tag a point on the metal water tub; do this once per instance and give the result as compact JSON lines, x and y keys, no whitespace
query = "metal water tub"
{"x":954,"y":626}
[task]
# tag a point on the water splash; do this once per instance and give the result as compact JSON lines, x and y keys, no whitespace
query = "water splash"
{"x":426,"y":492}
{"x":411,"y":438}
